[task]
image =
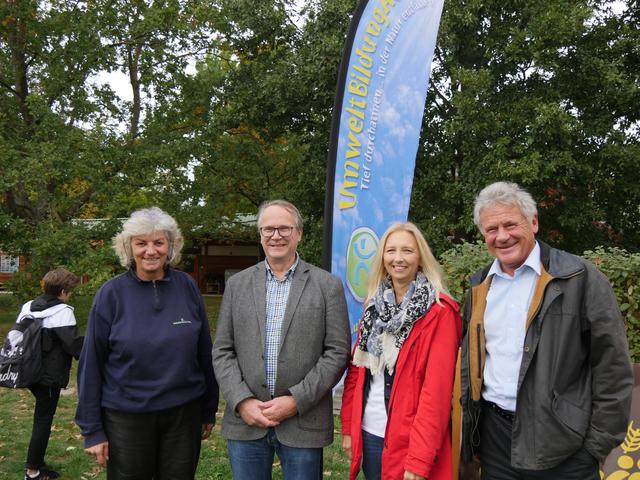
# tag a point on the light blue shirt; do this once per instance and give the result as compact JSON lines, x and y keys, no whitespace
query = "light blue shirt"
{"x":505,"y":321}
{"x":277,"y":297}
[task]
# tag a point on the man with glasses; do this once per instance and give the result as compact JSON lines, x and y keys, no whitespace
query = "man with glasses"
{"x":282,"y":344}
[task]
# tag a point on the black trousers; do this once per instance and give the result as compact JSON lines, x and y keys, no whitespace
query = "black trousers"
{"x":46,"y":404}
{"x":495,"y":456}
{"x":155,"y":445}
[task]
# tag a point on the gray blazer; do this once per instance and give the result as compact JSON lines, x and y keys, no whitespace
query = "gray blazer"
{"x":314,"y":351}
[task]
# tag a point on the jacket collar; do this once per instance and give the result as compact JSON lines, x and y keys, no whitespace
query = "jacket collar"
{"x":558,"y":263}
{"x":300,"y":277}
{"x":44,"y":301}
{"x":131,"y":273}
{"x":289,"y":273}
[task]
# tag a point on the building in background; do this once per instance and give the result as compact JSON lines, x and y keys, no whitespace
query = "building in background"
{"x":230,"y":247}
{"x":8,"y":266}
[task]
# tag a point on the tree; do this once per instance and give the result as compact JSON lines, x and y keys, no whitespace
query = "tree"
{"x":268,"y":97}
{"x":70,"y":147}
{"x":541,"y":93}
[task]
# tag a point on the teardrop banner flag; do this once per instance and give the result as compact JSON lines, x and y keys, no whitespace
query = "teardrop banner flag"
{"x":375,"y":131}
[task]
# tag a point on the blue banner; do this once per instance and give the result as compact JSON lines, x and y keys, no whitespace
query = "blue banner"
{"x":376,"y":128}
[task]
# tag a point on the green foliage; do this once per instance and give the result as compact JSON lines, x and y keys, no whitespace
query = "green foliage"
{"x":462,"y":261}
{"x":621,"y":268}
{"x":9,"y":306}
{"x":541,"y":93}
{"x":97,"y":266}
{"x":623,"y":271}
{"x":25,"y":285}
{"x":70,"y":148}
{"x":268,"y":97}
{"x":81,"y":248}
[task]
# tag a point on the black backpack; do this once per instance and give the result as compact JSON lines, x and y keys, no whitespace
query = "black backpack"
{"x":21,"y":354}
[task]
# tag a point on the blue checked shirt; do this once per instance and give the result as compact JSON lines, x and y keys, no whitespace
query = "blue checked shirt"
{"x":277,"y":296}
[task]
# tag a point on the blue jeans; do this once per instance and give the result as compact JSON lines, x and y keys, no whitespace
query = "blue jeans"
{"x":372,"y":455}
{"x":253,"y":459}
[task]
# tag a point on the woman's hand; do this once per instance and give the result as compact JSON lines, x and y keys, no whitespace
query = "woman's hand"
{"x":101,"y":451}
{"x":412,"y":476}
{"x":346,"y":445}
{"x":206,"y":430}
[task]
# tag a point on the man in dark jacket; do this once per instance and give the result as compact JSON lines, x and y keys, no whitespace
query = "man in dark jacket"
{"x":60,"y":342}
{"x":546,"y":375}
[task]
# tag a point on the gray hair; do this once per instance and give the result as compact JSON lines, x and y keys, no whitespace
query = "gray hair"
{"x":504,"y":193}
{"x":290,"y":207}
{"x":144,"y":222}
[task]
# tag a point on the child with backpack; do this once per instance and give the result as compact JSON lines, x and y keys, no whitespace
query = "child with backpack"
{"x":60,"y":342}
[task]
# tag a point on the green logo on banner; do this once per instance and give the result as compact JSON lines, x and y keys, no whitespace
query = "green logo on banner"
{"x":362,"y":248}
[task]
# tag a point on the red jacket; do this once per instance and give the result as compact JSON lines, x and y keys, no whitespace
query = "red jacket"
{"x":417,"y":436}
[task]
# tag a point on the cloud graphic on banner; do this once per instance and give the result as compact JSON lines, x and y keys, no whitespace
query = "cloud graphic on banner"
{"x":378,"y":212}
{"x":389,"y":115}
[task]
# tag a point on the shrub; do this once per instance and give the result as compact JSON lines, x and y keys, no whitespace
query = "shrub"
{"x":462,"y":261}
{"x":623,"y":271}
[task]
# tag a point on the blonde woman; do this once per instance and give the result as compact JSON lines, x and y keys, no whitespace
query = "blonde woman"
{"x":397,"y":397}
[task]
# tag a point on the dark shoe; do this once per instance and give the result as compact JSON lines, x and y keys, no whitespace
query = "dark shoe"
{"x":37,"y":477}
{"x":44,"y":474}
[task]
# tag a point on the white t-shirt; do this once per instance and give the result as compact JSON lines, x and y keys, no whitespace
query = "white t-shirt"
{"x":374,"y":420}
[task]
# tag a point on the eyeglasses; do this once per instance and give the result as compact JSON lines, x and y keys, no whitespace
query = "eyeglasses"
{"x":284,"y":231}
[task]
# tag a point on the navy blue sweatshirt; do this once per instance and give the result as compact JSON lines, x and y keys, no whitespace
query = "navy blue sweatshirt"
{"x":147,"y":348}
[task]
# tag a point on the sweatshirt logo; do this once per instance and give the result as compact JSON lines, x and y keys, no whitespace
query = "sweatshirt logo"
{"x":182,"y":321}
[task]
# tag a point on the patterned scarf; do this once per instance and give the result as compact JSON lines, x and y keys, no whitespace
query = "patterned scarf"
{"x":385,"y":325}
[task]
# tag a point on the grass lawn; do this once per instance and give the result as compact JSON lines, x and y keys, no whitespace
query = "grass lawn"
{"x":65,"y":452}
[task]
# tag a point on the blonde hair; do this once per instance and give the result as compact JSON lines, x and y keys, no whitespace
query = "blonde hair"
{"x":429,"y":266}
{"x":144,"y":222}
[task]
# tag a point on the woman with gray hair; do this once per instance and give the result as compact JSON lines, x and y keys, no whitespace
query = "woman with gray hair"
{"x":147,"y":392}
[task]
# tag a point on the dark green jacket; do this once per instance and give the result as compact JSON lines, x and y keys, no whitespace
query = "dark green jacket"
{"x":575,"y":380}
